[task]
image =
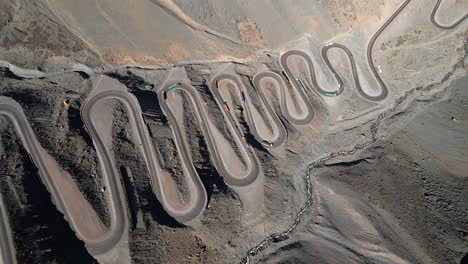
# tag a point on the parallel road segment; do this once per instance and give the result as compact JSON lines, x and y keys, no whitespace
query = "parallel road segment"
{"x":279,"y":131}
{"x":383,"y":87}
{"x":95,"y":245}
{"x":324,"y":52}
{"x":161,"y":182}
{"x":303,"y":116}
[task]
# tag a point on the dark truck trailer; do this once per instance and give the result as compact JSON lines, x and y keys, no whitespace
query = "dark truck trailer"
{"x":243,"y":96}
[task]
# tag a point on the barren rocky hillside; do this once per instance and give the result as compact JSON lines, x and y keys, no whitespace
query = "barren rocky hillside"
{"x":172,"y":131}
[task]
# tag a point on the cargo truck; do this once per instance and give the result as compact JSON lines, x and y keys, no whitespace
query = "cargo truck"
{"x":174,"y":85}
{"x":226,"y":107}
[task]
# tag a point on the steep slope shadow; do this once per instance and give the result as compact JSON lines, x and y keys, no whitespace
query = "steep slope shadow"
{"x":464,"y":260}
{"x":128,"y":156}
{"x":58,"y":128}
{"x":41,"y":233}
{"x":201,"y":157}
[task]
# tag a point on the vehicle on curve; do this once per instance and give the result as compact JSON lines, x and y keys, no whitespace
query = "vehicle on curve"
{"x":174,"y":85}
{"x":226,"y":107}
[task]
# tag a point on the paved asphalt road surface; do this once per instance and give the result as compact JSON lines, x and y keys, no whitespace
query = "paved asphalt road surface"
{"x":182,"y":215}
{"x":247,"y":104}
{"x":231,"y":178}
{"x":117,"y":205}
{"x":281,"y":91}
{"x":383,"y":87}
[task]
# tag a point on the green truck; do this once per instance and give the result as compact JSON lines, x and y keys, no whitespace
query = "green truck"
{"x":174,"y":85}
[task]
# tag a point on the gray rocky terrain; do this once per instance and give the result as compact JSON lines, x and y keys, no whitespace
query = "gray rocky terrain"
{"x":176,"y":131}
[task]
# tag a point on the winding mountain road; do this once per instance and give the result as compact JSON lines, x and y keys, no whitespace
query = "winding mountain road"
{"x":268,"y":240}
{"x":294,"y":105}
{"x":64,"y":193}
{"x":227,"y":165}
{"x":162,"y":183}
{"x":98,"y":240}
{"x":269,"y":137}
{"x":287,"y":65}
